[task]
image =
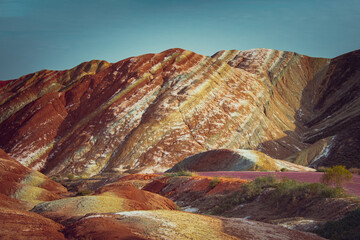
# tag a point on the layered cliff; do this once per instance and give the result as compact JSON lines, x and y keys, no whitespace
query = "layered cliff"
{"x":149,"y":112}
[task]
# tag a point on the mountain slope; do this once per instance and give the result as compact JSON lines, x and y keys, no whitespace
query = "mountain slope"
{"x":27,"y":185}
{"x":149,"y":112}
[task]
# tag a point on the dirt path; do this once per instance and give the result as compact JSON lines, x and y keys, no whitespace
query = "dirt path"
{"x":353,"y":187}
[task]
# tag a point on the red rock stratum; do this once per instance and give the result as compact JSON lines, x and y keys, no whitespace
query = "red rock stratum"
{"x":109,"y":199}
{"x":148,"y":113}
{"x":22,"y":183}
{"x":19,"y":224}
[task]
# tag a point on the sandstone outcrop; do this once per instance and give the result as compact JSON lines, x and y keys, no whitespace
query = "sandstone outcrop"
{"x":20,"y":224}
{"x":164,"y":224}
{"x":11,"y":203}
{"x":20,"y":189}
{"x":235,"y":160}
{"x":147,"y":113}
{"x":22,"y":183}
{"x":108,"y":200}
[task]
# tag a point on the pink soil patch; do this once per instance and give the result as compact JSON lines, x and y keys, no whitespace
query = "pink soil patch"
{"x":353,"y":187}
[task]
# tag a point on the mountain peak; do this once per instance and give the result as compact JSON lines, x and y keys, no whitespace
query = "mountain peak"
{"x":149,"y":112}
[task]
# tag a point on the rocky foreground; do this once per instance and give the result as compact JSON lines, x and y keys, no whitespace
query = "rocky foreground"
{"x":147,"y":113}
{"x":142,"y":206}
{"x":118,"y":210}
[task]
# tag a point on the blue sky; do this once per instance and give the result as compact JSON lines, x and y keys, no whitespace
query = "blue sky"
{"x":51,"y":34}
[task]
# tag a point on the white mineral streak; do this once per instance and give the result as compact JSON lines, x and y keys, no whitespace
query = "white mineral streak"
{"x":324,"y":152}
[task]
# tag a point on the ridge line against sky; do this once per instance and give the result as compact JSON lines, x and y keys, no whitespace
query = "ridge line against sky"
{"x":49,"y":34}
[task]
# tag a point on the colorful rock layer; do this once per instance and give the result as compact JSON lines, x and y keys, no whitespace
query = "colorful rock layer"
{"x":24,"y":184}
{"x":165,"y":224}
{"x":150,"y":112}
{"x":235,"y":160}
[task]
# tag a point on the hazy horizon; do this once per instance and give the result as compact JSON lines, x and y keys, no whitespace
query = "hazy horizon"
{"x":46,"y":34}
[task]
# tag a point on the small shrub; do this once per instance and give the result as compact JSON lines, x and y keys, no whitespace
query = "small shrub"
{"x":55,"y":179}
{"x":267,"y":181}
{"x":71,"y":176}
{"x":291,"y":191}
{"x":322,"y":169}
{"x":84,"y":192}
{"x":283,"y":170}
{"x":169,"y":175}
{"x":214,"y":182}
{"x":337,"y":176}
{"x":182,"y":172}
{"x":247,"y":193}
{"x":283,"y":191}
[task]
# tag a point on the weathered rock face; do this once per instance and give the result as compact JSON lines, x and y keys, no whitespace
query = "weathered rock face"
{"x":19,"y":224}
{"x":164,"y":224}
{"x":235,"y":160}
{"x":22,"y":183}
{"x":11,"y":203}
{"x":149,"y":112}
{"x":333,"y":127}
{"x":109,"y":199}
{"x":20,"y":189}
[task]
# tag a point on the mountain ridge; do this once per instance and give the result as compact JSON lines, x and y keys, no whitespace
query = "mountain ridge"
{"x":147,"y":113}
